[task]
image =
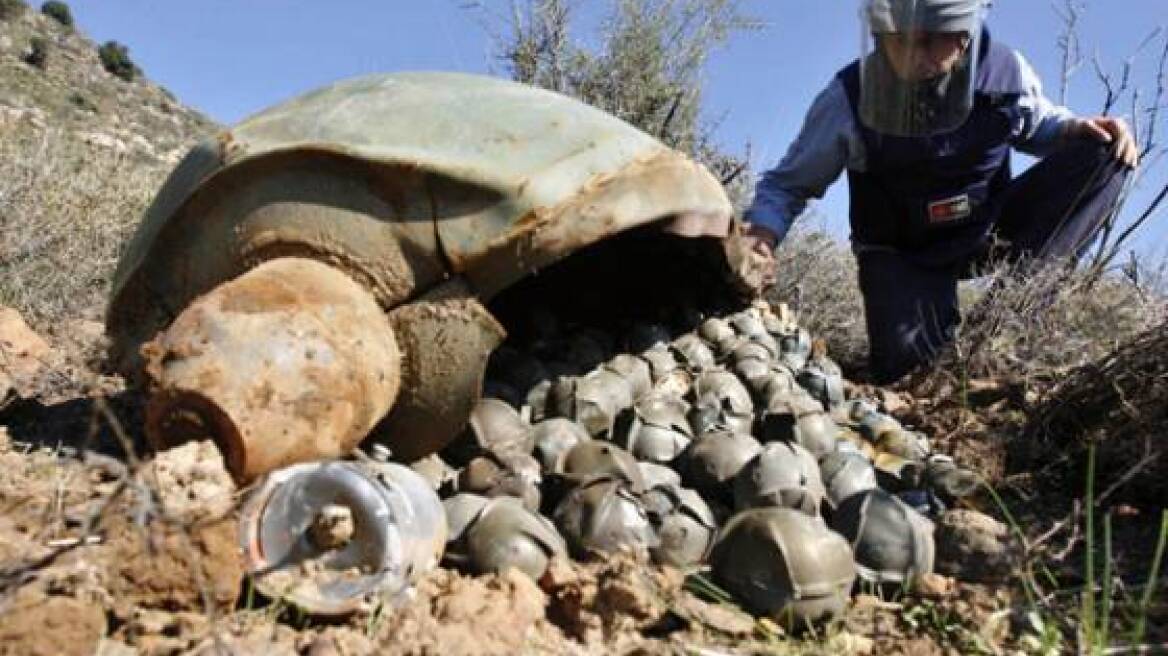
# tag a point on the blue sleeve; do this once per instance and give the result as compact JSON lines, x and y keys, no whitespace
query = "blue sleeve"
{"x":1042,"y":128}
{"x":827,"y":142}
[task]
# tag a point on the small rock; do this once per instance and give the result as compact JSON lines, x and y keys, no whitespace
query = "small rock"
{"x":846,"y":642}
{"x":22,"y":353}
{"x":192,"y":481}
{"x":973,"y":546}
{"x":111,"y":647}
{"x":934,"y":586}
{"x":892,"y":402}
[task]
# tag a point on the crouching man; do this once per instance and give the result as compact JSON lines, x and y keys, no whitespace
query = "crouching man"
{"x":923,"y":122}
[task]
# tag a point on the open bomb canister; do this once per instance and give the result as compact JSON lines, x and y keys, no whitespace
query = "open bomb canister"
{"x":330,"y":536}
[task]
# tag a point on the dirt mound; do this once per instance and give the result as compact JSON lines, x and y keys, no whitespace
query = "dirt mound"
{"x":22,"y":354}
{"x":455,"y":615}
{"x":36,"y":625}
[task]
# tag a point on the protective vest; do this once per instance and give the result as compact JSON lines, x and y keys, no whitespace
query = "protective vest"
{"x":930,"y":196}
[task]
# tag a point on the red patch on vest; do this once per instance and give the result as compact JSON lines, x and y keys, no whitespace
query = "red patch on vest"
{"x":948,"y":210}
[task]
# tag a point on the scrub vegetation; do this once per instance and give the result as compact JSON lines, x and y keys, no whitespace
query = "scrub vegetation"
{"x":1056,"y":391}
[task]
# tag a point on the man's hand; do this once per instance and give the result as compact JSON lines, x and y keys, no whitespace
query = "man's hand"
{"x":760,"y":239}
{"x":759,"y":242}
{"x":1110,"y":130}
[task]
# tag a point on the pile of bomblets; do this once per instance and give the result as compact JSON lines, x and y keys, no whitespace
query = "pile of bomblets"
{"x":732,"y":447}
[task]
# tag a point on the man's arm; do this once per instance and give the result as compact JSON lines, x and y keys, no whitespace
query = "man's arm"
{"x":1047,"y":126}
{"x":827,"y":142}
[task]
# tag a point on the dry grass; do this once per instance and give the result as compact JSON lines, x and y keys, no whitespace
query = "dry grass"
{"x":66,"y":209}
{"x":817,"y":278}
{"x":1032,"y":322}
{"x":1040,"y":321}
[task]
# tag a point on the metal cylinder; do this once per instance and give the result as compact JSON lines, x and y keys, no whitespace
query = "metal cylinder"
{"x":296,"y":549}
{"x":291,"y":361}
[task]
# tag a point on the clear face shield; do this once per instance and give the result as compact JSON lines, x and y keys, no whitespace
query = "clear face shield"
{"x":918,"y":64}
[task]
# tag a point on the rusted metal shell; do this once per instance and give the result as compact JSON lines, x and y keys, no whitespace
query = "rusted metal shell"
{"x":445,"y":339}
{"x":786,"y":565}
{"x":293,"y":361}
{"x":390,"y":178}
{"x":430,"y":208}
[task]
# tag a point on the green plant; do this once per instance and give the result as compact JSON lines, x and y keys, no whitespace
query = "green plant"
{"x":81,"y":101}
{"x":115,"y":59}
{"x":645,"y":67}
{"x":1140,"y":625}
{"x":58,"y":11}
{"x":38,"y":52}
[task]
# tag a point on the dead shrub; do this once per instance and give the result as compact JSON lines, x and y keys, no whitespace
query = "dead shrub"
{"x":1120,"y":403}
{"x":1033,"y":322}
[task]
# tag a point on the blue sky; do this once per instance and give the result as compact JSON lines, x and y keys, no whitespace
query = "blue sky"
{"x":230,"y":58}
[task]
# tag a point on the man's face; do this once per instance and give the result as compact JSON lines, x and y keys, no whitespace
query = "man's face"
{"x":921,"y":55}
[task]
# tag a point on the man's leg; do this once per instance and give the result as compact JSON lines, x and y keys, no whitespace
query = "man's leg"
{"x":1056,"y":208}
{"x":911,"y":311}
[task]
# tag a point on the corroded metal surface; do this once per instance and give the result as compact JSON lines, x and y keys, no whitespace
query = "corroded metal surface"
{"x":293,"y":361}
{"x":391,"y":178}
{"x":446,"y":338}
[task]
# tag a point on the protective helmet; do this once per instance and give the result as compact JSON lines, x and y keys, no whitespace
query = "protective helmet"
{"x":873,"y":424}
{"x":535,"y":404}
{"x":789,"y":419}
{"x":822,"y":377}
{"x":434,"y":469}
{"x":494,"y":427}
{"x":718,"y":334}
{"x":756,"y":374}
{"x":782,"y":475}
{"x":896,"y":473}
{"x":891,"y":541}
{"x":495,"y":534}
{"x":784,"y":564}
{"x":593,"y":400}
{"x":692,"y":352}
{"x":887,"y":435}
{"x":753,"y":350}
{"x":748,"y":323}
{"x":852,"y":411}
{"x":713,"y":460}
{"x":655,"y":474}
{"x":657,"y":430}
{"x":634,"y":370}
{"x":845,"y":472}
{"x":553,"y":439}
{"x":918,"y":65}
{"x":684,"y":524}
{"x":902,"y":442}
{"x":721,"y":401}
{"x":594,"y":458}
{"x":949,"y":481}
{"x":796,"y":348}
{"x":779,"y":382}
{"x":510,"y":474}
{"x":670,"y":378}
{"x":603,"y":515}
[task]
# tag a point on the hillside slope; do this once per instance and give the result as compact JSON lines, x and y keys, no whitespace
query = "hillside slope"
{"x":81,"y":154}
